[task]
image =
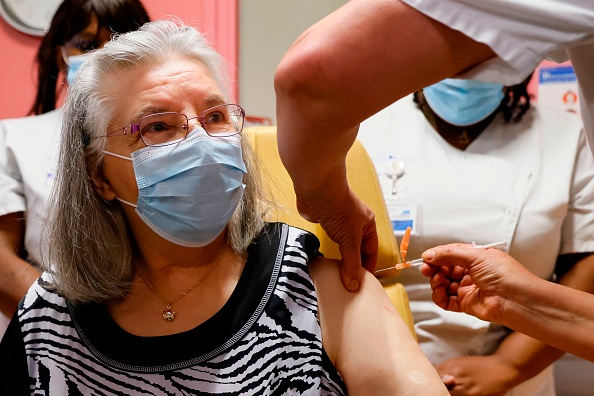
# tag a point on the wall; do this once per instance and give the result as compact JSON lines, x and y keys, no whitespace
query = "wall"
{"x":217,"y":18}
{"x":267,"y":29}
{"x":16,"y":73}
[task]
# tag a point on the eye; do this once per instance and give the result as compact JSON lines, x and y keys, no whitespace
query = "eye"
{"x":156,"y":126}
{"x":162,"y":128}
{"x":87,"y":46}
{"x":214,"y":117}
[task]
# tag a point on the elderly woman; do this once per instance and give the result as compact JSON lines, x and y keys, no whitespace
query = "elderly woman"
{"x":163,"y":277}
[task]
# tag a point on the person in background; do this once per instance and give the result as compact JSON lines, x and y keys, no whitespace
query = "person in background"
{"x":337,"y":74}
{"x":163,"y":277}
{"x":469,"y":167}
{"x":492,"y":286}
{"x":27,"y":145}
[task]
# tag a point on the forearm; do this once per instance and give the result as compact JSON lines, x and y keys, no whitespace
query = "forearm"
{"x":558,"y":315}
{"x":338,"y":74}
{"x":16,"y":275}
{"x":527,"y":356}
{"x":530,"y":356}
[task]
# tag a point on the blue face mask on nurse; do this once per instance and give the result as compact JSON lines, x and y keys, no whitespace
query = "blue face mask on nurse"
{"x":77,"y":50}
{"x":463,"y":102}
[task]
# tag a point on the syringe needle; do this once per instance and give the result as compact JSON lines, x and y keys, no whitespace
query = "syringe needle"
{"x":419,"y":261}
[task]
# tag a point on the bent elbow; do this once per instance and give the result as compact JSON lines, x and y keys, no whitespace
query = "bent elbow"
{"x":303,"y":73}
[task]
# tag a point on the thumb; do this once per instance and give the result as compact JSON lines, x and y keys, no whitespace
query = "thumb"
{"x":449,"y":381}
{"x":351,"y":270}
{"x":369,"y":247}
{"x":451,"y":255}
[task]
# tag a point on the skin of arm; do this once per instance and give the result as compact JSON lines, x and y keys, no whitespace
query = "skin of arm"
{"x":335,"y":76}
{"x":366,"y":339}
{"x":519,"y":357}
{"x":16,"y":275}
{"x":492,"y":286}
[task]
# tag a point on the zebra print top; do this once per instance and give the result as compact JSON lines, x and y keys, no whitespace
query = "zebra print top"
{"x":265,"y":340}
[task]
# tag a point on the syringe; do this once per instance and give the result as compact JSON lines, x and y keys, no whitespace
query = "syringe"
{"x":420,"y":261}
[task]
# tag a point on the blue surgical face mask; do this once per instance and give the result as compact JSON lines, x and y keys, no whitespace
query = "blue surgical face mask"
{"x":74,"y":64}
{"x":463,"y":102}
{"x":188,"y":191}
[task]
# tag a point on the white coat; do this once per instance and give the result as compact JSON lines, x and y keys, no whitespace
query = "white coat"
{"x":522,"y":33}
{"x":530,"y":184}
{"x":28,"y":158}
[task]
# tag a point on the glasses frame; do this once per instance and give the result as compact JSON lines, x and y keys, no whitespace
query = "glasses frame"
{"x":135,"y":128}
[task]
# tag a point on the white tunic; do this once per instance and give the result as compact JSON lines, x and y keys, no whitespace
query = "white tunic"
{"x":522,"y":33}
{"x":28,"y":157}
{"x":530,"y":184}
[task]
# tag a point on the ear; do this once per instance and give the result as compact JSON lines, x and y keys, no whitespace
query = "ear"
{"x":102,"y":186}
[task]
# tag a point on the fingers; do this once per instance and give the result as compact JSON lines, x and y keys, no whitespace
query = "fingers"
{"x":351,"y":265}
{"x":369,"y":246}
{"x":357,"y":254}
{"x":449,"y":381}
{"x":440,"y":297}
{"x":351,"y":224}
{"x":451,"y":255}
{"x":351,"y":277}
{"x":445,"y":292}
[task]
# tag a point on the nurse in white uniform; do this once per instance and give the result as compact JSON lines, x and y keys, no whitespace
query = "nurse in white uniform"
{"x":530,"y":183}
{"x":370,"y":53}
{"x":28,"y":145}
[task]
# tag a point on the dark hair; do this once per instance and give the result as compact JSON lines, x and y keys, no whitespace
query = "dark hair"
{"x":517,"y":99}
{"x":72,"y":17}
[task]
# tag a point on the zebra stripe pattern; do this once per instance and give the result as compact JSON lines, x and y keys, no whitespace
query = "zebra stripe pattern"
{"x":277,"y":351}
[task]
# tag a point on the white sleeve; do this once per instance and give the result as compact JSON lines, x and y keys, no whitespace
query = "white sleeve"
{"x":582,"y":59}
{"x":12,"y":195}
{"x":521,"y":32}
{"x":578,"y":225}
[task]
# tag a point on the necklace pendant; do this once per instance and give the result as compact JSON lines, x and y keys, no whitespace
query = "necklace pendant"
{"x":168,"y":314}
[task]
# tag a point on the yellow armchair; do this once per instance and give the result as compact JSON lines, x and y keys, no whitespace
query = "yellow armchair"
{"x":362,"y":179}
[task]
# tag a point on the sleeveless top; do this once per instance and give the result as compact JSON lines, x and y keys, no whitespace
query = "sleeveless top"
{"x":266,"y":339}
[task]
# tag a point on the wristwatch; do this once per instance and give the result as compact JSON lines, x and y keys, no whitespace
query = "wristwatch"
{"x":29,"y":16}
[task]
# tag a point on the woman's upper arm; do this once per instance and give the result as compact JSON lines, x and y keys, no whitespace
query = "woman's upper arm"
{"x":367,"y":340}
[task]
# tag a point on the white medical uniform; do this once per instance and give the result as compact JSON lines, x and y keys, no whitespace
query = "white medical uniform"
{"x":530,"y":184}
{"x":28,"y":158}
{"x":522,"y":33}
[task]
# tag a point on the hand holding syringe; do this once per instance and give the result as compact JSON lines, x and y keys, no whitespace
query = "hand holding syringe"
{"x":420,"y":261}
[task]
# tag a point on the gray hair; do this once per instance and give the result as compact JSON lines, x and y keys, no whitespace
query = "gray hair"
{"x":87,"y":245}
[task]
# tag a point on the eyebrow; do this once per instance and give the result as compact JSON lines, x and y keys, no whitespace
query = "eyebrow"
{"x":147,"y":111}
{"x":214,"y":100}
{"x":209,"y":102}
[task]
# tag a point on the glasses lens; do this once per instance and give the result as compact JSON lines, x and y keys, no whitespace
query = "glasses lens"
{"x":223,"y":120}
{"x":163,"y":128}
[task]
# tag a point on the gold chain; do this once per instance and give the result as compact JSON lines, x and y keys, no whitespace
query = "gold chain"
{"x":169,"y":314}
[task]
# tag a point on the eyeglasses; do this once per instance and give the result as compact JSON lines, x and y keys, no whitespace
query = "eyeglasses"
{"x":162,"y":129}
